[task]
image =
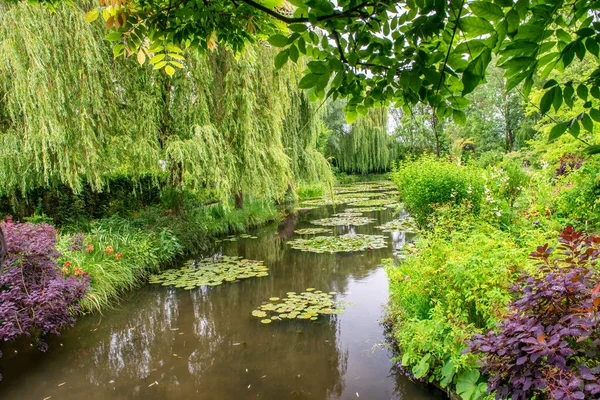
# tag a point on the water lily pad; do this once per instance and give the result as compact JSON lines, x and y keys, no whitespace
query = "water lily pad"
{"x":399,"y":225}
{"x":312,"y":231}
{"x":339,"y":221}
{"x":211,"y":272}
{"x":365,"y":209}
{"x":265,"y":321}
{"x":348,"y":214}
{"x":335,"y":244}
{"x":373,"y":202}
{"x":306,"y":305}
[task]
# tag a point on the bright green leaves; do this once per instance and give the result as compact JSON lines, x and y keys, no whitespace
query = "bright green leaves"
{"x":475,"y":71}
{"x":486,"y":10}
{"x":475,"y":26}
{"x":468,"y":386}
{"x":278,"y":40}
{"x":92,"y":15}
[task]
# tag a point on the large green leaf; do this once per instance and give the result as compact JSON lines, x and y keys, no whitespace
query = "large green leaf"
{"x":487,"y":10}
{"x":475,"y":26}
{"x":467,"y":385}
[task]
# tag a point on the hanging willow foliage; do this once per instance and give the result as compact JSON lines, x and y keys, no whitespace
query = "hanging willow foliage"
{"x":70,"y":113}
{"x":367,"y":147}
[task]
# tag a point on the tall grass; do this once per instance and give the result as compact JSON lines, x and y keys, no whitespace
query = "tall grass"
{"x":119,"y":253}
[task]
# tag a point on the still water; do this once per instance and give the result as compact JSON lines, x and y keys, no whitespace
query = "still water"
{"x":166,"y":343}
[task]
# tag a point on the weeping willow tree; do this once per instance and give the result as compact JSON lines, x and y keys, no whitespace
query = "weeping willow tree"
{"x":365,"y":146}
{"x":70,"y":114}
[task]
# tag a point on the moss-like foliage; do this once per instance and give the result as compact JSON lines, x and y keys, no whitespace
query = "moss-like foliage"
{"x":211,"y":272}
{"x":306,"y":305}
{"x":337,"y":244}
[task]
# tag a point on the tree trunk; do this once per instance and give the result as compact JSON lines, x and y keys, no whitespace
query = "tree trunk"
{"x":2,"y":248}
{"x":509,"y":137}
{"x":239,"y":199}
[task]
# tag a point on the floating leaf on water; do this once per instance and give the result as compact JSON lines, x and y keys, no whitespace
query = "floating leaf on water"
{"x":365,"y":209}
{"x":273,"y":298}
{"x":347,"y":214}
{"x":399,"y":225}
{"x":339,"y":221}
{"x":312,"y":231}
{"x":373,"y":202}
{"x":307,"y":305}
{"x":336,"y":244}
{"x":265,"y":321}
{"x":210,"y":272}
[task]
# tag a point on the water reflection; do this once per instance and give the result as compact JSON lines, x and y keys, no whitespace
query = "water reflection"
{"x":165,"y":343}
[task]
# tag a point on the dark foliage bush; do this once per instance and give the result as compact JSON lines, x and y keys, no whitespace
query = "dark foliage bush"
{"x":549,"y":345}
{"x":35,"y":297}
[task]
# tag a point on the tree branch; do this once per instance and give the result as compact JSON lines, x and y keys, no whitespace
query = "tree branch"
{"x":295,"y":20}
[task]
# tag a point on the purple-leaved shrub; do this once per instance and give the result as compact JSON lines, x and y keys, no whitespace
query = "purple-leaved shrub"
{"x":549,"y":344}
{"x":35,"y":296}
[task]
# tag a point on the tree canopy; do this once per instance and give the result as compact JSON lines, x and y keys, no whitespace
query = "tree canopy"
{"x":377,"y":53}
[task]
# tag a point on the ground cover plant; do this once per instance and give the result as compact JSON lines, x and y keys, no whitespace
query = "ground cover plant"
{"x":308,"y":305}
{"x":399,"y":225}
{"x":210,"y":272}
{"x":336,"y":244}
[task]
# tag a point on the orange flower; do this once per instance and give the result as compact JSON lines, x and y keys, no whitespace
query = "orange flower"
{"x":68,"y":264}
{"x":65,"y":270}
{"x":119,"y":255}
{"x":90,"y":248}
{"x":109,"y":250}
{"x":78,"y":271}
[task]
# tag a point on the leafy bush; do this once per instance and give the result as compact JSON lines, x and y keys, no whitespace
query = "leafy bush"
{"x":449,"y":286}
{"x":428,"y":182}
{"x":35,"y":296}
{"x":577,"y":194}
{"x":549,"y":344}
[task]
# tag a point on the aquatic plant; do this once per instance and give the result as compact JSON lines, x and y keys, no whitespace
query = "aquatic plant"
{"x":306,"y":305}
{"x":373,"y":202}
{"x":399,"y":225}
{"x":365,"y":209}
{"x":348,"y":214}
{"x":339,"y":221}
{"x":211,"y":272}
{"x":336,"y":244}
{"x":312,"y":231}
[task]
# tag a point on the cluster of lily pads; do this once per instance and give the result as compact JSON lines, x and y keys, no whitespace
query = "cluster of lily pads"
{"x":399,"y":225}
{"x":338,"y":244}
{"x":340,"y":221}
{"x":348,"y":214}
{"x":235,"y":238}
{"x":211,"y":272}
{"x":312,"y":231}
{"x":306,"y":305}
{"x":373,"y":202}
{"x":363,"y":210}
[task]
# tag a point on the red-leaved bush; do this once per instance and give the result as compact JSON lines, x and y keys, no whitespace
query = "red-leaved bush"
{"x":549,"y":344}
{"x":35,"y":297}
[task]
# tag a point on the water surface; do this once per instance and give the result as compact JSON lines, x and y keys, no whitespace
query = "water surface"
{"x":166,"y":343}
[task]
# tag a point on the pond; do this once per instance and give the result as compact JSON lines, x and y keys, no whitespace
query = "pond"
{"x":169,"y":343}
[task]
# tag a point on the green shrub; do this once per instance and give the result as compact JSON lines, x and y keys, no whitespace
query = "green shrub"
{"x":428,"y":182}
{"x":453,"y":284}
{"x":577,"y":195}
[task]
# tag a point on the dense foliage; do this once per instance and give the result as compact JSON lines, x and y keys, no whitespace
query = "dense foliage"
{"x":36,"y":298}
{"x":548,"y":345}
{"x":430,"y":182}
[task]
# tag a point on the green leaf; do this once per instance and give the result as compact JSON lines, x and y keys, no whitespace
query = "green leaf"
{"x":294,"y":54}
{"x":169,"y":70}
{"x":113,"y":36}
{"x":487,"y":10}
{"x":318,"y":67}
{"x":278,"y":40}
{"x":595,"y":91}
{"x":575,"y":128}
{"x":157,"y":58}
{"x":557,"y":100}
{"x":459,"y":117}
{"x":557,"y":131}
{"x":582,"y":91}
{"x":595,"y":114}
{"x":176,"y":64}
{"x":308,"y":81}
{"x":475,"y":26}
{"x":118,"y":50}
{"x":467,"y":386}
{"x":281,"y":59}
{"x":92,"y":15}
{"x":475,"y":70}
{"x":298,"y":28}
{"x":160,"y":65}
{"x":592,"y":46}
{"x":547,"y":100}
{"x":351,"y":116}
{"x":587,"y":123}
{"x":422,"y":368}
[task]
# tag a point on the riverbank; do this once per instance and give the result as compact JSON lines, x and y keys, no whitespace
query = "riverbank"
{"x":119,"y":253}
{"x":483,"y":230}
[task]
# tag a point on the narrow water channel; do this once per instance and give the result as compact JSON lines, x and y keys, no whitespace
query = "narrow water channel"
{"x":167,"y":343}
